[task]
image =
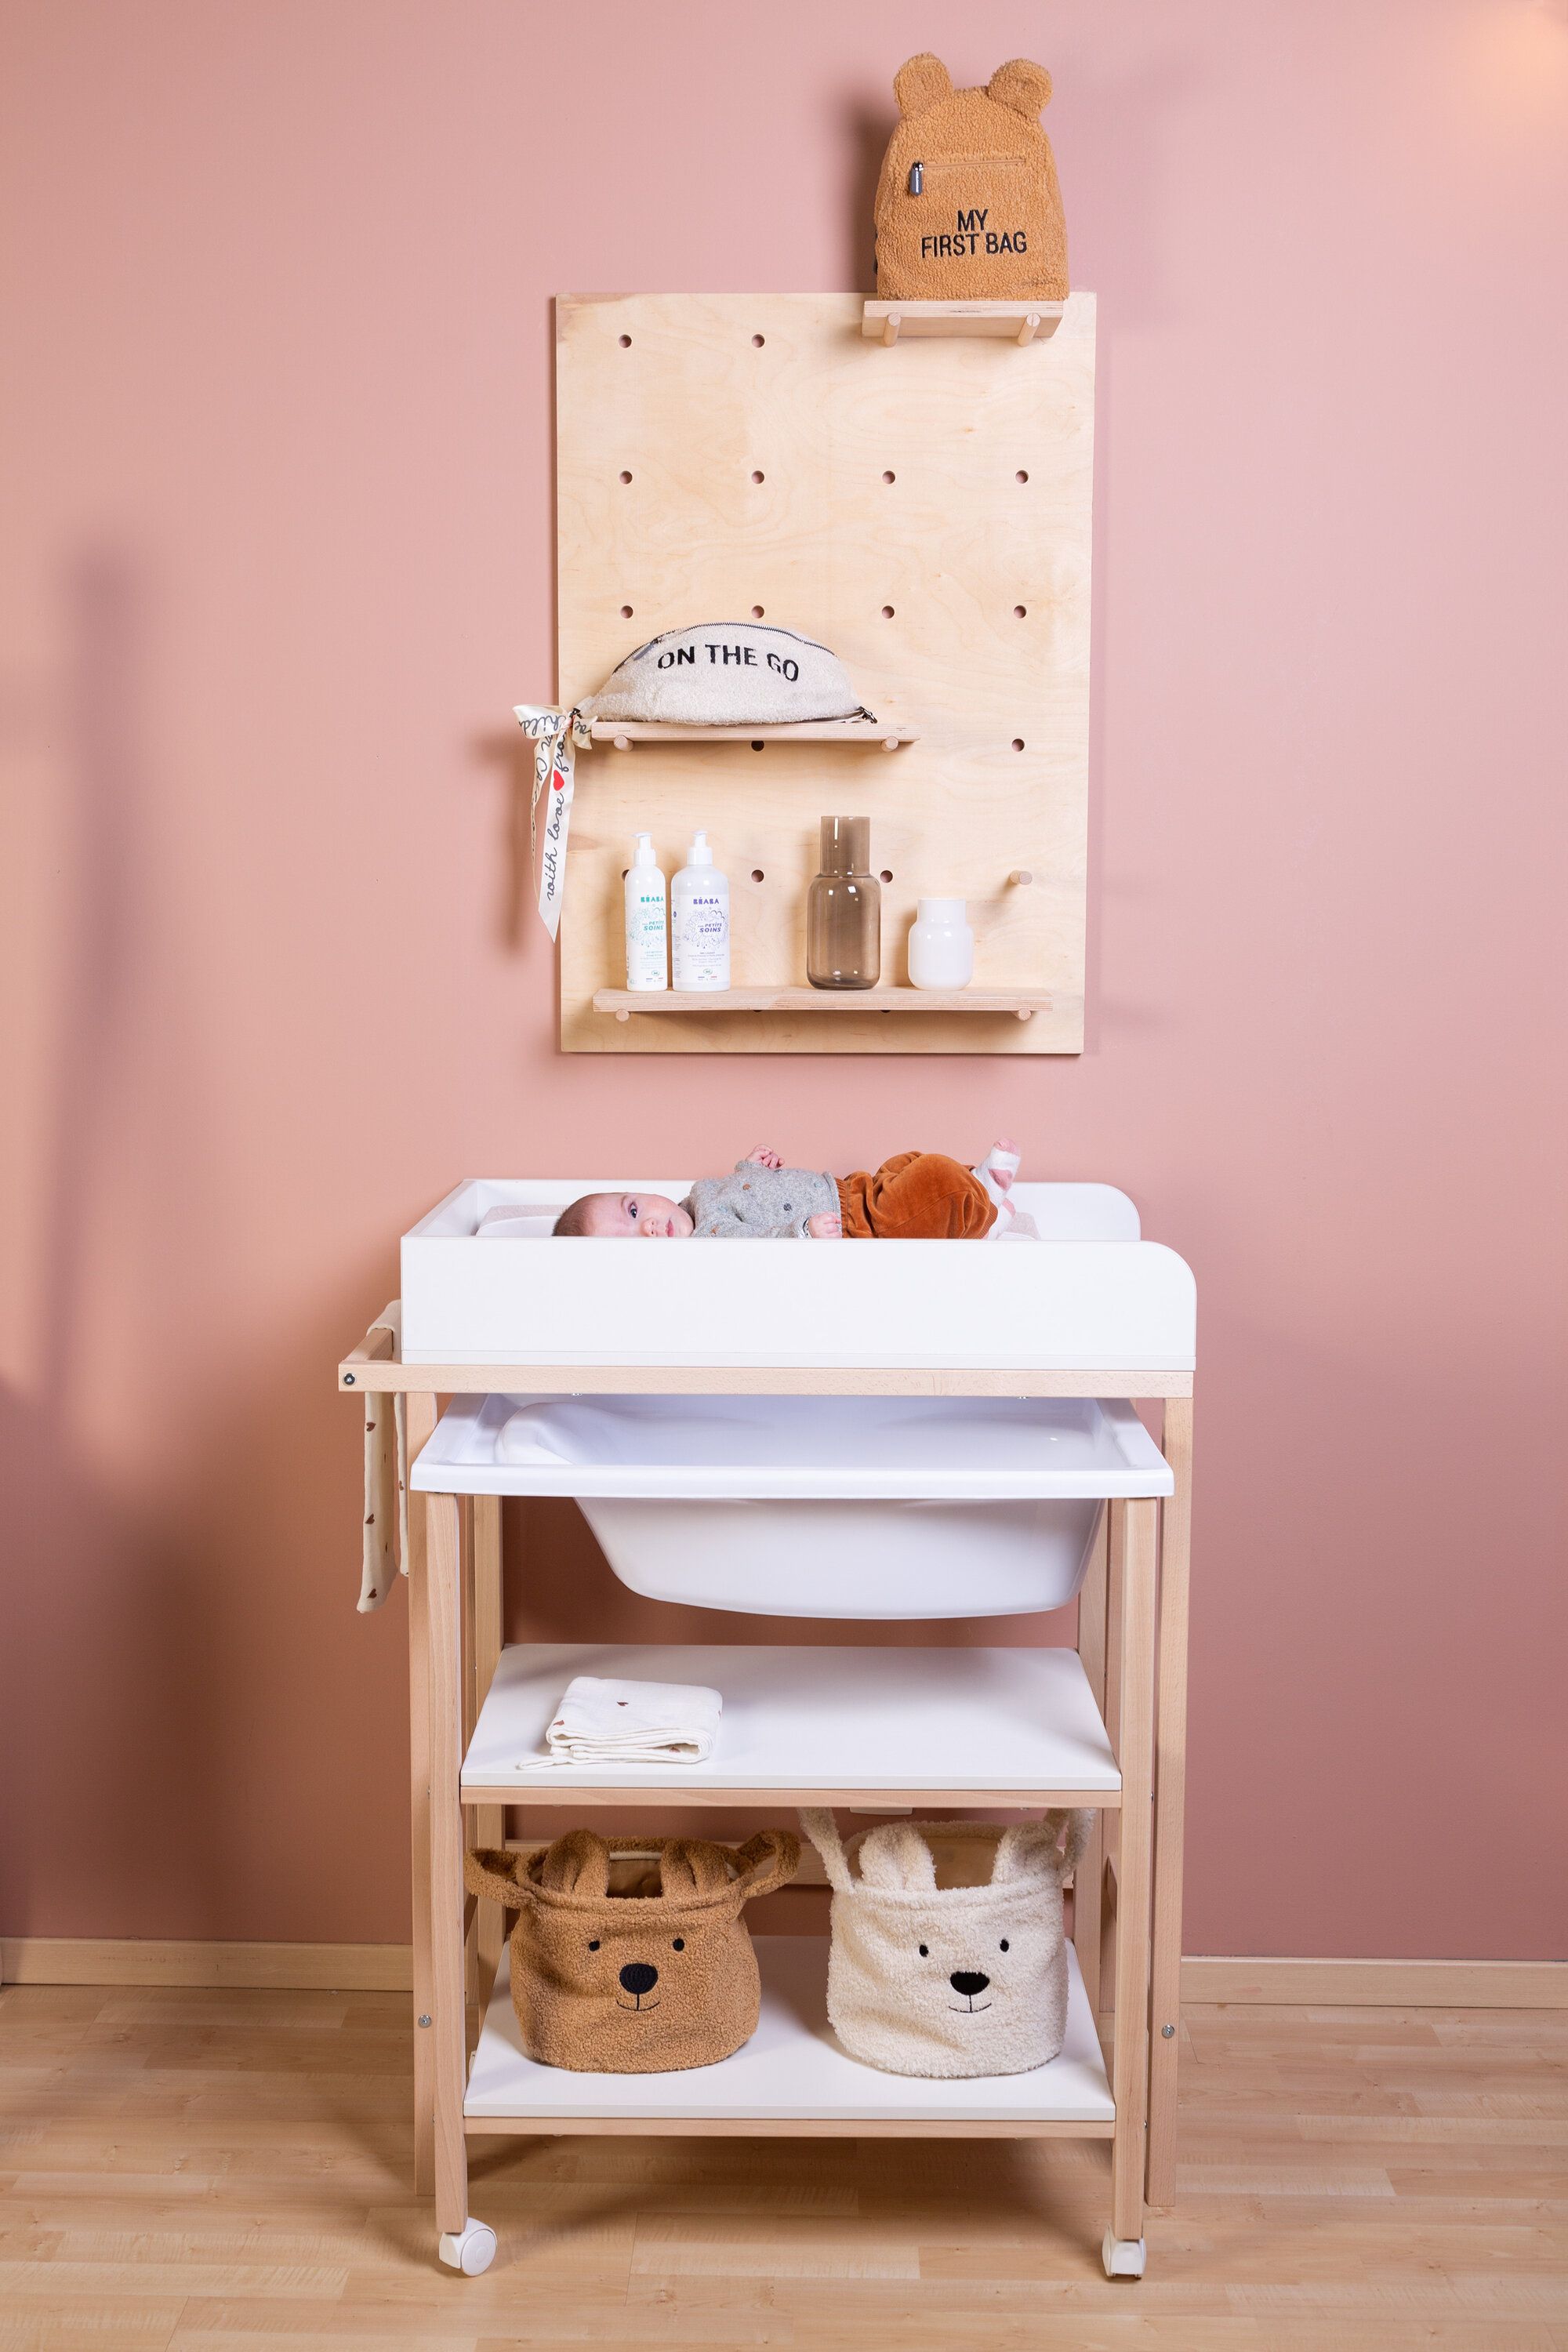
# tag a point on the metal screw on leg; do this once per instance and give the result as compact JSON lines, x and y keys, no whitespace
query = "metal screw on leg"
{"x":424,"y":2021}
{"x":1166,"y":2032}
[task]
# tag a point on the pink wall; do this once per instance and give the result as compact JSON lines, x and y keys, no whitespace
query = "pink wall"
{"x":277,"y":561}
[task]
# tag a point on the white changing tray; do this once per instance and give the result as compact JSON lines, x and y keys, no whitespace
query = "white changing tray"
{"x":715,"y":1448}
{"x":1089,"y":1297}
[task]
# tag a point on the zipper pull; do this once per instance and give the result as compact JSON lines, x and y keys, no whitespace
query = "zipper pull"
{"x":916,"y":180}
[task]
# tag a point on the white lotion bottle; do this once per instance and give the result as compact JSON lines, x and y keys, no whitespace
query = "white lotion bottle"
{"x":648,"y":920}
{"x":941,"y":945}
{"x":700,"y":912}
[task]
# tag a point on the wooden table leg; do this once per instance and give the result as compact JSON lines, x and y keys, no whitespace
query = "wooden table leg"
{"x":1135,"y":1754}
{"x":1089,"y":1878}
{"x":488,"y":1632}
{"x":1170,"y":1797}
{"x":446,"y":2034}
{"x":1111,"y":1822}
{"x":421,"y":1421}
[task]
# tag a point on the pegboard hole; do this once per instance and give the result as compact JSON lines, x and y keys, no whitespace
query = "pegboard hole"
{"x":756,"y":612}
{"x":886,"y":611}
{"x":758,"y":340}
{"x":626,"y":477}
{"x":889,"y":475}
{"x":886,"y":876}
{"x":625,"y":612}
{"x":757,"y":874}
{"x":1017,"y":742}
{"x":1020,"y":612}
{"x":625,"y":342}
{"x":759,"y":477}
{"x":1021,"y":476}
{"x":757,"y":745}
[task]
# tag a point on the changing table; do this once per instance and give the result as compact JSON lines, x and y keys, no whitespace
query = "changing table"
{"x":1091,"y":1311}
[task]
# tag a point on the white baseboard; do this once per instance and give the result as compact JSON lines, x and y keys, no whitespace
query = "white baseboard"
{"x":388,"y":1968}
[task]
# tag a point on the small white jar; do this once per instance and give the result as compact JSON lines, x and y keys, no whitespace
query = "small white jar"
{"x":941,"y":945}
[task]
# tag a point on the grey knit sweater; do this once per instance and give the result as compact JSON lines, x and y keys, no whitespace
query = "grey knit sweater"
{"x":759,"y":1204}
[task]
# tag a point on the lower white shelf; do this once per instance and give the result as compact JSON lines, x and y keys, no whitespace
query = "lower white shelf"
{"x":815,"y":1725}
{"x":791,"y":2074}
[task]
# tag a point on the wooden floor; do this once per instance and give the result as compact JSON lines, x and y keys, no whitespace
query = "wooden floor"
{"x":228,"y":2169}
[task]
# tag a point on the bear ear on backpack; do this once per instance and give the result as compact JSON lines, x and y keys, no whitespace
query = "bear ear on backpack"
{"x":920,"y":82}
{"x":1022,"y":85}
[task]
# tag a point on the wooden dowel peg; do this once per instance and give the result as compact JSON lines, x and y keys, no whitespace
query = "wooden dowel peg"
{"x":1030,"y":328}
{"x":623,"y":1016}
{"x":890,"y":326}
{"x":623,"y":743}
{"x":890,"y":742}
{"x":1026,"y":1012}
{"x":1022,"y":876}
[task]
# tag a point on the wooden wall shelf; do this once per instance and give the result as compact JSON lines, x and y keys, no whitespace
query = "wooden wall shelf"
{"x":1022,"y":1003}
{"x":864,"y":732}
{"x":1011,"y":322}
{"x":721,"y":453}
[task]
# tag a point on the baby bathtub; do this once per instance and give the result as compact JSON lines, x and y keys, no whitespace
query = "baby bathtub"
{"x":803,"y":1506}
{"x":1090,"y":1295}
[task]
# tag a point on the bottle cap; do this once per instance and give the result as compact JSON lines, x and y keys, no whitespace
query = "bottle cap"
{"x":699,"y":854}
{"x":644,"y":850}
{"x":845,"y":844}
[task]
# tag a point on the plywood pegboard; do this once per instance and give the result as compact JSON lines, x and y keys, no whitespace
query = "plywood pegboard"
{"x":925,"y":510}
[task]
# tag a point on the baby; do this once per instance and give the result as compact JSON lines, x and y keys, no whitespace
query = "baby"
{"x":916,"y":1196}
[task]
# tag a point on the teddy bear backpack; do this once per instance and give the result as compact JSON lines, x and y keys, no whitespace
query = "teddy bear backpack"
{"x":968,"y":208}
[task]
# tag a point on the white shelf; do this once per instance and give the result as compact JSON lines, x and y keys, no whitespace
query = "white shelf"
{"x":807,"y":1724}
{"x":622,"y":733}
{"x":791,"y":2071}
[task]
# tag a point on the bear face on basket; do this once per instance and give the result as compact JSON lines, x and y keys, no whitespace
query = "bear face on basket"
{"x":948,"y":1955}
{"x":629,"y":1956}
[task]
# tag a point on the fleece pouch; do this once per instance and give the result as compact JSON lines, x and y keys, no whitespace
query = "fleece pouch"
{"x":630,"y":1955}
{"x":727,"y":674}
{"x":947,"y":1953}
{"x":968,"y":208}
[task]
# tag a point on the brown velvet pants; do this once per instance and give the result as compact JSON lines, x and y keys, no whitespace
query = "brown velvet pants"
{"x":916,"y":1196}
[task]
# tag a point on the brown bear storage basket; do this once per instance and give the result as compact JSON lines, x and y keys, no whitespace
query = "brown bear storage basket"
{"x":629,"y":1956}
{"x":968,"y":208}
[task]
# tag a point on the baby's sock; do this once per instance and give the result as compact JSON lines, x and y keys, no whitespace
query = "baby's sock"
{"x":996,"y":1173}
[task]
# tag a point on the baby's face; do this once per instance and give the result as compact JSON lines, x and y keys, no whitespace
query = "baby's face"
{"x":635,"y":1216}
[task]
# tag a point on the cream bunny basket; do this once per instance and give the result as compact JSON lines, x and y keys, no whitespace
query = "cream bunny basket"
{"x":947,"y":1954}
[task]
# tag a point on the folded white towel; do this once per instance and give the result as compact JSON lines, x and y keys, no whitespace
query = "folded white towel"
{"x":611,"y":1722}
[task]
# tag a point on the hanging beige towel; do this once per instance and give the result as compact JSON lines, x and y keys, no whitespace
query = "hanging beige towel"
{"x":384,"y":1533}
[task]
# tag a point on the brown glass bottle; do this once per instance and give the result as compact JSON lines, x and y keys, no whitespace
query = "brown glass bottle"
{"x":844,"y":909}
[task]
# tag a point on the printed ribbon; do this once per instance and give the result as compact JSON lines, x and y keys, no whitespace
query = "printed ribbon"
{"x":555,"y":735}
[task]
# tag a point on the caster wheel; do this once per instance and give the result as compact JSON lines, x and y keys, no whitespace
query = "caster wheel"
{"x":1124,"y":2257}
{"x":471,"y":2249}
